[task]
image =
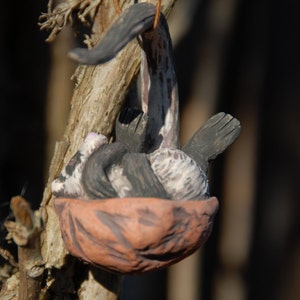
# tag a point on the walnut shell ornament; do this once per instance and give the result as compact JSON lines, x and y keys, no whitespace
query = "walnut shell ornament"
{"x":141,"y":203}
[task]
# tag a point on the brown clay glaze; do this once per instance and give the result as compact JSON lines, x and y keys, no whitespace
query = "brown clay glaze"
{"x":134,"y":235}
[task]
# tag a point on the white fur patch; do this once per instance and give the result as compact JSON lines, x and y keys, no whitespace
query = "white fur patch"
{"x":68,"y":183}
{"x":180,"y":175}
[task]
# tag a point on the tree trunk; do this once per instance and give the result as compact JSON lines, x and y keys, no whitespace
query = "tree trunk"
{"x":96,"y":102}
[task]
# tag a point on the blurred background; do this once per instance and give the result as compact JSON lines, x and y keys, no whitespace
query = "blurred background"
{"x":241,"y":57}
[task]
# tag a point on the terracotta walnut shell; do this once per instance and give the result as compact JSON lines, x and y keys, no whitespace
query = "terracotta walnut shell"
{"x":134,"y":235}
{"x":141,"y":204}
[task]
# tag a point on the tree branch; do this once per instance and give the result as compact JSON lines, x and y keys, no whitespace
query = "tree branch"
{"x":25,"y":232}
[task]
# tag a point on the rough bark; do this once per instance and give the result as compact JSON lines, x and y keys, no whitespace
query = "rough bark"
{"x":97,"y":99}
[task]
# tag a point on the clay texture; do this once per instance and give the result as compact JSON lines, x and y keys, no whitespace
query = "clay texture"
{"x":134,"y":235}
